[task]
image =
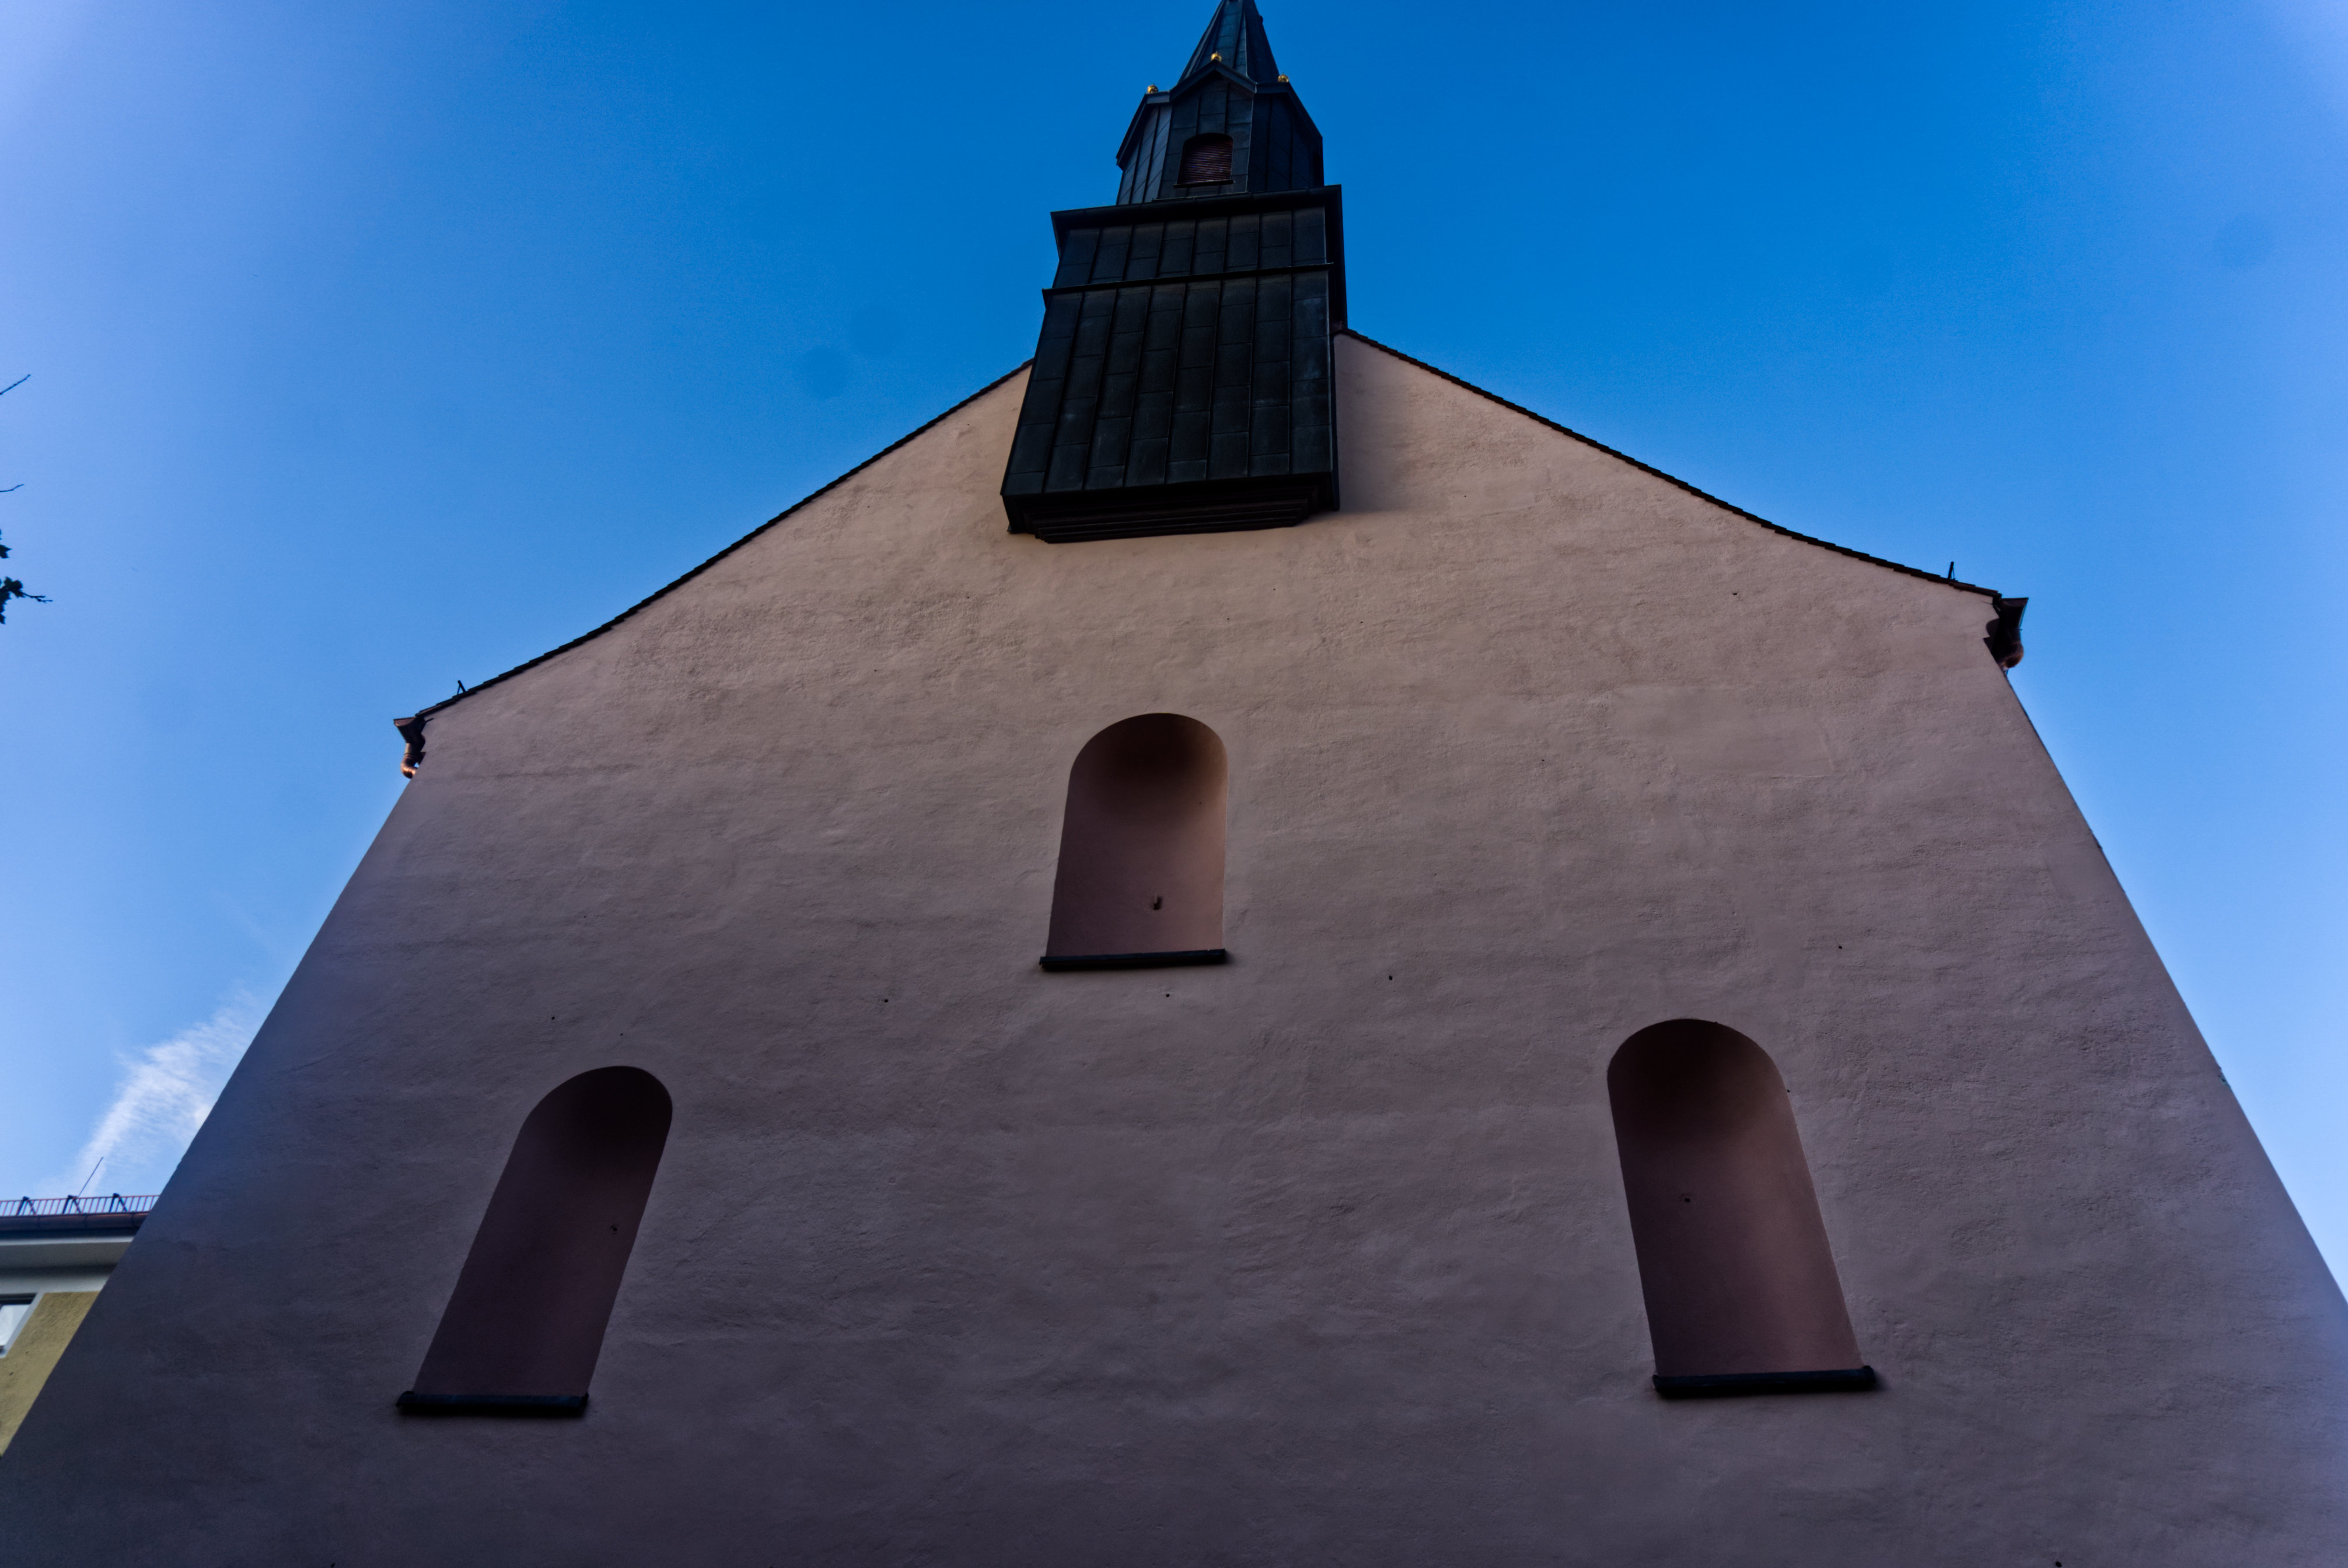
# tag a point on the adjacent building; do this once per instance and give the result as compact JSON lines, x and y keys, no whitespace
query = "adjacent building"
{"x":56,"y":1255}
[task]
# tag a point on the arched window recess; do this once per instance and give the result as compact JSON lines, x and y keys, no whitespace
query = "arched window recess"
{"x":1741,"y":1289}
{"x":525,"y":1325}
{"x":1140,"y":878}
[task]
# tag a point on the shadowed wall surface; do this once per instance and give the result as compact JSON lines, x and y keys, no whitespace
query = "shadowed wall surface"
{"x":1733,"y":1259}
{"x":1319,"y":1256}
{"x":1141,"y":846}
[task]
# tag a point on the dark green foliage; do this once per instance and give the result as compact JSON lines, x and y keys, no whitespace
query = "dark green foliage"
{"x":10,"y":587}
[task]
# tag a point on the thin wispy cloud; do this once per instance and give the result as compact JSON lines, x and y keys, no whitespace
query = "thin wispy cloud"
{"x":166,"y":1091}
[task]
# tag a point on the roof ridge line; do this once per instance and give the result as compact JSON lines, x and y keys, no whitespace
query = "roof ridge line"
{"x":422,"y":714}
{"x":1670,"y":478}
{"x":666,"y":590}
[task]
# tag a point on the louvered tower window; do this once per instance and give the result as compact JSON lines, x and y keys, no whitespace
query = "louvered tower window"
{"x":1206,"y":160}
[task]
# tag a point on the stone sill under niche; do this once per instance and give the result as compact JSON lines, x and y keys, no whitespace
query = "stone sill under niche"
{"x":1722,"y":1385}
{"x":415,"y":1404}
{"x":1057,"y":962}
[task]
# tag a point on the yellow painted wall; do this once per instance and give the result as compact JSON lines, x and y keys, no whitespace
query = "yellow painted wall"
{"x":38,"y":1344}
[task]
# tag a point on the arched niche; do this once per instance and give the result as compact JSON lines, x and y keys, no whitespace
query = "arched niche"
{"x":1741,"y":1288}
{"x":525,"y":1324}
{"x":1206,"y":160}
{"x":1140,"y":880}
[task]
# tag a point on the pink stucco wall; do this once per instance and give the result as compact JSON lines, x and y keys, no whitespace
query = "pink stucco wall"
{"x":1318,"y":1257}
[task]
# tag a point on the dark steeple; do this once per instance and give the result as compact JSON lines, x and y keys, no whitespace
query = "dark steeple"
{"x":1235,"y":40}
{"x":1231,"y":124}
{"x":1182,"y":381}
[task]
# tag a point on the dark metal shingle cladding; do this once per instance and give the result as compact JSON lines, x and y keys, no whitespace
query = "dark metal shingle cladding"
{"x":1182,"y":379}
{"x":1230,"y":87}
{"x":1237,"y":36}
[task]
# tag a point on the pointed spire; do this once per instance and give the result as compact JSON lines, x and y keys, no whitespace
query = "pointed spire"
{"x":1230,"y":125}
{"x":1235,"y":40}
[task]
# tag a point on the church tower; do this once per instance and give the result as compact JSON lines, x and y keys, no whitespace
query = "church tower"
{"x":1532,"y":1017}
{"x":1182,"y":383}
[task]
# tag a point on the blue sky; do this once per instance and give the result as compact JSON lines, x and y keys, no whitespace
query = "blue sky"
{"x":375,"y":348}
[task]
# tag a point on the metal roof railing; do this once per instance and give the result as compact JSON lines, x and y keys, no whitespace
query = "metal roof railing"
{"x":111,"y":1204}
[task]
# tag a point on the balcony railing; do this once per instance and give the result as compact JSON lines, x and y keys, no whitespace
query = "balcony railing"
{"x":111,"y":1204}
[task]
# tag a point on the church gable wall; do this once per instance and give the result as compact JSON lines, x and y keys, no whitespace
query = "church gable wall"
{"x":1321,"y":1255}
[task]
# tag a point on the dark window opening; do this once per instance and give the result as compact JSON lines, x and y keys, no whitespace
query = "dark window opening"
{"x":14,"y":1310}
{"x":1206,"y":160}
